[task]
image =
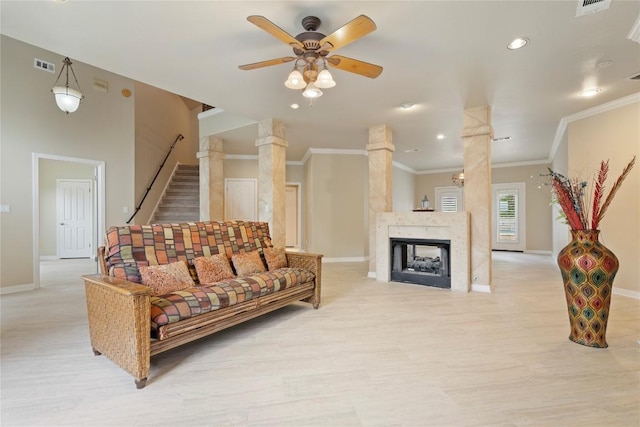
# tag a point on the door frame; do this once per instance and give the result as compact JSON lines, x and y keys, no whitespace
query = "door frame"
{"x":92,"y":243}
{"x":299,"y":219}
{"x":98,"y":201}
{"x":521,"y":187}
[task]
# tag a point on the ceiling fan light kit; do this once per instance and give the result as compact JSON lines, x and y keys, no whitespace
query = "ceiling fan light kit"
{"x":311,"y":49}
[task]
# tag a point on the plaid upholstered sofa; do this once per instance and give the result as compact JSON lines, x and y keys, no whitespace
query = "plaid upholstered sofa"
{"x":151,"y":295}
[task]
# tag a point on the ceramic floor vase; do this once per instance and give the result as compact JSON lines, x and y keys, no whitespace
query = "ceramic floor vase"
{"x":588,"y":269}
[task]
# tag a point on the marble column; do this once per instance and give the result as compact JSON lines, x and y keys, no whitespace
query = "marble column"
{"x":380,"y":148}
{"x":272,"y":146}
{"x":211,"y":178}
{"x":477,"y":134}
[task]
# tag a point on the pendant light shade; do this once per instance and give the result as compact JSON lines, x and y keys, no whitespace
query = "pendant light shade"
{"x":325,"y":79}
{"x":312,"y":91}
{"x":295,"y":80}
{"x":67,"y":98}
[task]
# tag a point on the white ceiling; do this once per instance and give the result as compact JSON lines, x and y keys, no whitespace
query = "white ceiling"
{"x":443,"y":56}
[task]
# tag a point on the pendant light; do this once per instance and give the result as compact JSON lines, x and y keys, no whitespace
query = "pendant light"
{"x":67,"y":98}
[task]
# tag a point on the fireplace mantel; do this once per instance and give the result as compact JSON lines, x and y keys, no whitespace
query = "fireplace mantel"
{"x":453,"y":226}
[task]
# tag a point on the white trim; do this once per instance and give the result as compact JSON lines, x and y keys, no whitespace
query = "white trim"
{"x":338,"y":151}
{"x":515,"y":164}
{"x":35,"y":192}
{"x":403,"y":167}
{"x":477,"y":287}
{"x":210,"y":112}
{"x":372,"y":275}
{"x":18,"y":288}
{"x":241,"y":157}
{"x":299,"y":219}
{"x":294,"y":163}
{"x":428,"y":172}
{"x":306,"y":156}
{"x":598,"y":109}
{"x":626,"y":293}
{"x":346,"y":259}
{"x":48,"y":258}
{"x":634,"y":34}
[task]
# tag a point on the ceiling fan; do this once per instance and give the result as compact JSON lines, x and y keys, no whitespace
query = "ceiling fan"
{"x":312,"y":48}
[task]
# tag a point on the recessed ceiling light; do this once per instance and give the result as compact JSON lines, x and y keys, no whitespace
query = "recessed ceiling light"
{"x":406,"y":105}
{"x":518,"y":43}
{"x":440,"y":136}
{"x":295,"y":106}
{"x":590,"y":92}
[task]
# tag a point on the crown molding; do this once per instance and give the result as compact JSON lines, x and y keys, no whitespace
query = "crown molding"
{"x":634,"y":34}
{"x":598,"y":109}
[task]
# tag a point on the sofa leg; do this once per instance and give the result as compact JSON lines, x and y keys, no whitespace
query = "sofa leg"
{"x":141,"y":383}
{"x":96,"y":352}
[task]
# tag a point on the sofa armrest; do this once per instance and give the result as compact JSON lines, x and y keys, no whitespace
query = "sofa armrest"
{"x":119,"y":314}
{"x":313,"y":263}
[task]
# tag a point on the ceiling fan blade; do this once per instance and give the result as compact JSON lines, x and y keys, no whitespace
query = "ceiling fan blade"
{"x":350,"y":32}
{"x":267,"y":63}
{"x":354,"y":66}
{"x":274,"y":30}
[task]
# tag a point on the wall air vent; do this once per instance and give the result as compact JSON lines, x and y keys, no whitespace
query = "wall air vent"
{"x":588,"y":7}
{"x":44,"y":65}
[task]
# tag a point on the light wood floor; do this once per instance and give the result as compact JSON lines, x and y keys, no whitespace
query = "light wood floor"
{"x":375,"y":354}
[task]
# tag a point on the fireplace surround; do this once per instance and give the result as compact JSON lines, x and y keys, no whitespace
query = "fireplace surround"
{"x":451,"y":226}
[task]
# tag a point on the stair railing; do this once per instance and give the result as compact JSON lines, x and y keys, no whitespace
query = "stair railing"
{"x":146,"y":193}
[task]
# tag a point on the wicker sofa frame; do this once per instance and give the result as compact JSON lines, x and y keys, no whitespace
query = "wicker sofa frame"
{"x":119,"y":313}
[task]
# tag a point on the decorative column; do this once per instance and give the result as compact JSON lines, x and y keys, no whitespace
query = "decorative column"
{"x":272,"y":146}
{"x":477,"y":134}
{"x":211,"y":178}
{"x":380,"y":148}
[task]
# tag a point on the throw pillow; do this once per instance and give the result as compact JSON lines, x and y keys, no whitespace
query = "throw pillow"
{"x":276,"y":258}
{"x":166,"y":278}
{"x":247,"y":263}
{"x":213,"y":268}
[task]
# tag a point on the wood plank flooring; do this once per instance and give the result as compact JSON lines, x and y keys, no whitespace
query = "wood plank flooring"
{"x":374,"y":354}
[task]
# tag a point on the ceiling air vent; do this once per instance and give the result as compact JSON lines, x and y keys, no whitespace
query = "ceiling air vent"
{"x":588,"y":7}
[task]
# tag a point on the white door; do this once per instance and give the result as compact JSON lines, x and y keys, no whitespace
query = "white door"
{"x":508,"y":219}
{"x":74,"y":218}
{"x":291,"y":216}
{"x":240,"y":199}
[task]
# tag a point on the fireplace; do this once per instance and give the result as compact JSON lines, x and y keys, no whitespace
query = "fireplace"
{"x":420,"y":261}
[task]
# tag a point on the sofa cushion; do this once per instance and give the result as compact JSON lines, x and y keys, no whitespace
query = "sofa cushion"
{"x":213,"y":268}
{"x":247,"y":263}
{"x":166,"y":278}
{"x":276,"y":258}
{"x":132,"y":246}
{"x":197,"y":300}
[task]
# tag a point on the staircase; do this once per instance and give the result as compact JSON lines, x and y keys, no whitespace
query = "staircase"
{"x":181,"y":200}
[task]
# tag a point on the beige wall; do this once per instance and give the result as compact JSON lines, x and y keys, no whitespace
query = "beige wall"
{"x":337,"y":189}
{"x":613,"y":135}
{"x":559,"y":229}
{"x":538,"y":211}
{"x":50,"y":172}
{"x":101,"y":130}
{"x":403,"y":190}
{"x":160,"y":117}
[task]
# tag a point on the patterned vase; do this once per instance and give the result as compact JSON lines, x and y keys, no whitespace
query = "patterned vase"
{"x":588,"y":269}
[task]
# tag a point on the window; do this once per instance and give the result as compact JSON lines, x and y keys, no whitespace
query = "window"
{"x":449,"y":199}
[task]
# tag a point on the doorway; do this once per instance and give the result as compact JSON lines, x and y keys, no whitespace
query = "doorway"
{"x":508,"y":219}
{"x":44,"y":204}
{"x":240,"y":199}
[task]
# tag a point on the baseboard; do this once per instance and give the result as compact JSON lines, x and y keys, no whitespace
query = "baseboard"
{"x":535,"y":252}
{"x":48,"y":258}
{"x":626,"y":293}
{"x":372,"y":275}
{"x":477,"y":287}
{"x":346,"y":259}
{"x":17,"y":288}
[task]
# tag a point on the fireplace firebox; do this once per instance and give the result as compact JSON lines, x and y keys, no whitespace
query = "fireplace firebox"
{"x":421,"y":261}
